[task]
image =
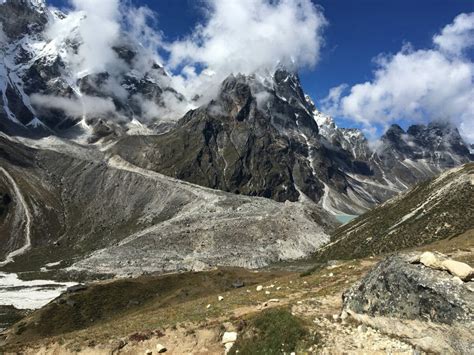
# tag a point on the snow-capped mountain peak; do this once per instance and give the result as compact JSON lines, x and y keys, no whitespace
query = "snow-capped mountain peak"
{"x":44,"y":78}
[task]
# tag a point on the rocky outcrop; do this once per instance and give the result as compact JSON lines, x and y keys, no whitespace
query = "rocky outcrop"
{"x":247,"y":141}
{"x":439,"y":261}
{"x":425,"y":306}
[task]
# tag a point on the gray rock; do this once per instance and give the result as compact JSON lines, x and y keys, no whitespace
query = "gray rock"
{"x":423,"y":305}
{"x":76,"y":288}
{"x":161,"y":348}
{"x":398,"y":288}
{"x":458,"y":269}
{"x":238,"y":284}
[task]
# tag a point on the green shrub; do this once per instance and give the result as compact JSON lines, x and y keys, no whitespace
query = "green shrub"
{"x":274,"y":331}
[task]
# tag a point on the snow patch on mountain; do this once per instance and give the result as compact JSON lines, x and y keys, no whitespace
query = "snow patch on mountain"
{"x":28,"y":294}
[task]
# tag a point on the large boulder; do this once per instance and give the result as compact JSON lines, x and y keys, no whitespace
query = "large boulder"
{"x":427,"y":307}
{"x":461,"y":270}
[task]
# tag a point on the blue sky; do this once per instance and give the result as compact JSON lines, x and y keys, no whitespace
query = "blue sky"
{"x":358,"y":31}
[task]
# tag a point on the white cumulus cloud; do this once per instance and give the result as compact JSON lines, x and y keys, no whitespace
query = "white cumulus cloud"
{"x":74,"y":107}
{"x":416,"y":85}
{"x":99,"y":31}
{"x":458,"y":36}
{"x":246,"y":36}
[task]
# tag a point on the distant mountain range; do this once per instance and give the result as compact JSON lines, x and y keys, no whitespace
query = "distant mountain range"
{"x":95,"y":148}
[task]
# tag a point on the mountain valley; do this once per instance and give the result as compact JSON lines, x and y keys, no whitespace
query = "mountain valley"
{"x":136,"y":214}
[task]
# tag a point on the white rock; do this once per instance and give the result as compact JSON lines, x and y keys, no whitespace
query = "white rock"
{"x":457,"y":280}
{"x":335,"y":316}
{"x":208,"y":306}
{"x":228,"y":346}
{"x":259,"y":288}
{"x":229,"y":337}
{"x":267,"y":292}
{"x":273,"y":300}
{"x":161,"y":348}
{"x":432,"y":260}
{"x":220,"y":298}
{"x":331,"y":274}
{"x":461,"y":270}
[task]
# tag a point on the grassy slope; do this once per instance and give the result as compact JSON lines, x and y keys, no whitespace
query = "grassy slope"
{"x":271,"y":332}
{"x":104,"y":304}
{"x":169,"y":301}
{"x":383,"y":230}
{"x":181,"y":299}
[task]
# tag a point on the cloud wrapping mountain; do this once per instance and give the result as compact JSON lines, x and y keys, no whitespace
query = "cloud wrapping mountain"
{"x":248,"y":36}
{"x":417,"y":85}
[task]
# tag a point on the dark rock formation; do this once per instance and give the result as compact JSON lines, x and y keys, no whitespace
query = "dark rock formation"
{"x":409,"y":298}
{"x":398,"y":288}
{"x":38,"y":65}
{"x":233,"y":144}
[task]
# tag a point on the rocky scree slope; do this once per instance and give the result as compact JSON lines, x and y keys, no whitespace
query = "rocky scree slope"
{"x":437,"y":209}
{"x":99,"y":214}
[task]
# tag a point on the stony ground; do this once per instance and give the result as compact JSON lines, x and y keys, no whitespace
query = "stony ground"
{"x":196,"y":325}
{"x":316,"y":299}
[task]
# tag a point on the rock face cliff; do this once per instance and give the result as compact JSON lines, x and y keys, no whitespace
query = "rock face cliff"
{"x":262,"y":136}
{"x":256,"y":138}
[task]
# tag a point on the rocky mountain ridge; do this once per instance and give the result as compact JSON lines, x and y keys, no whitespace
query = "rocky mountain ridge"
{"x":264,"y":137}
{"x":260,"y":136}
